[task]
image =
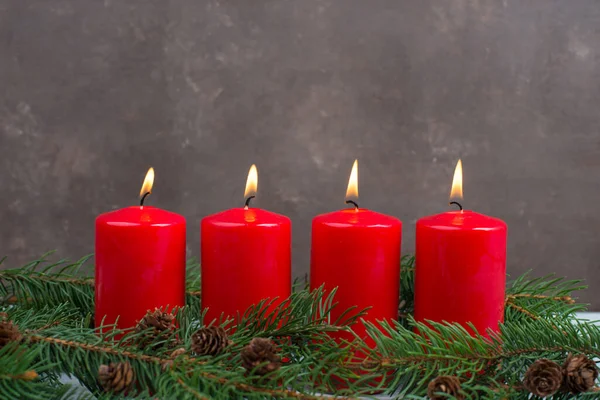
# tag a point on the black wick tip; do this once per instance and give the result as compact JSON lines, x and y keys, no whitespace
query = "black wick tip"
{"x":143,"y":198}
{"x":248,"y":201}
{"x":457,"y":203}
{"x":352,"y":202}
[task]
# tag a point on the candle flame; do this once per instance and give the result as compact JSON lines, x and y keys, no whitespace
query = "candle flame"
{"x":148,"y":182}
{"x":251,"y":182}
{"x":456,"y":193}
{"x":352,"y":191}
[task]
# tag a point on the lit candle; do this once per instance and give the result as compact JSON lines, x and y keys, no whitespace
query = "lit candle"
{"x":357,"y":251}
{"x":246,"y":257}
{"x":461,"y":266}
{"x":140,"y":262}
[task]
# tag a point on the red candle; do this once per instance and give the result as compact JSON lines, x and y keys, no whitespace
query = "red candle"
{"x":357,"y":251}
{"x":461,"y":266}
{"x":246,"y":258}
{"x":140,"y":262}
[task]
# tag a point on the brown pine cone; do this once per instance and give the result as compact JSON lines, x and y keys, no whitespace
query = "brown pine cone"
{"x":116,"y":377}
{"x":259,"y":356}
{"x":580,"y":373}
{"x":9,"y":332}
{"x":210,"y":341}
{"x":543,"y":378}
{"x":162,"y":324}
{"x":156,"y":319}
{"x":449,"y":385}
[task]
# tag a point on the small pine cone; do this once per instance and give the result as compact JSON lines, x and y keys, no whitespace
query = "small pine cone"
{"x":162,"y":324}
{"x":543,"y":378}
{"x":9,"y":332}
{"x":449,"y":385}
{"x":158,"y":320}
{"x":259,"y":356}
{"x":116,"y":377}
{"x":580,"y":374}
{"x":210,"y":341}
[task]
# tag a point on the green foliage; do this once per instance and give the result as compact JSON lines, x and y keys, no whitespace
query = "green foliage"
{"x":52,"y":303}
{"x":407,"y":288}
{"x":418,"y":355}
{"x":546,"y":297}
{"x":42,"y":284}
{"x":16,"y":362}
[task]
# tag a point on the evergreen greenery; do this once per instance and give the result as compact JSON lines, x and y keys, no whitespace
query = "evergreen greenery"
{"x":52,"y":304}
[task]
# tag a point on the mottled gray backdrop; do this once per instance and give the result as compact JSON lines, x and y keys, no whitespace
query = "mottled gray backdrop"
{"x":94,"y":92}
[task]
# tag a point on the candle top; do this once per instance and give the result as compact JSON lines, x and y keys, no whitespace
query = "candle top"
{"x":140,"y":216}
{"x":244,"y":217}
{"x":460,"y":220}
{"x":361,"y":217}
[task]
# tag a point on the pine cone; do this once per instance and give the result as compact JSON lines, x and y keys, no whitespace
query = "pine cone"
{"x":162,"y":324}
{"x":259,"y":356}
{"x":210,"y":341}
{"x":116,"y":377}
{"x":9,"y":332}
{"x":449,"y":385}
{"x":156,"y":319}
{"x":580,"y":373}
{"x":543,"y":378}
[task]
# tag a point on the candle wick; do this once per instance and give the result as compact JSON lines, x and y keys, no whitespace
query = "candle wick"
{"x":353,"y":203}
{"x":143,"y":198}
{"x":247,"y":204}
{"x":457,"y":203}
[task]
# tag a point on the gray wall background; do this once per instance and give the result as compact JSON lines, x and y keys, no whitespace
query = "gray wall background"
{"x":92,"y":93}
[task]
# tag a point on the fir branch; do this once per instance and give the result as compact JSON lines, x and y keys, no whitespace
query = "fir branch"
{"x":276,"y":393}
{"x":549,"y":285}
{"x":407,"y":284}
{"x":54,"y":304}
{"x":190,"y":365}
{"x":448,"y":349}
{"x":544,"y":297}
{"x":566,"y":299}
{"x":190,"y":390}
{"x":55,"y":284}
{"x":36,"y":287}
{"x":96,"y":349}
{"x":30,"y":271}
{"x":23,"y":375}
{"x":510,"y":303}
{"x":192,"y":276}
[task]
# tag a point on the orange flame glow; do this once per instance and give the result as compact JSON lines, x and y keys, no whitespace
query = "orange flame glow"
{"x":148,"y":182}
{"x":251,"y":182}
{"x":456,"y":193}
{"x":352,"y":191}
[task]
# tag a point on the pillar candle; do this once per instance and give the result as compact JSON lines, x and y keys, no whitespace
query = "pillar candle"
{"x":357,"y":251}
{"x":140,"y":262}
{"x":461,"y":267}
{"x":246,"y":258}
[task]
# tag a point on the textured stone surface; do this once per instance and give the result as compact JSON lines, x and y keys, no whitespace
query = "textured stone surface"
{"x":94,"y":92}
